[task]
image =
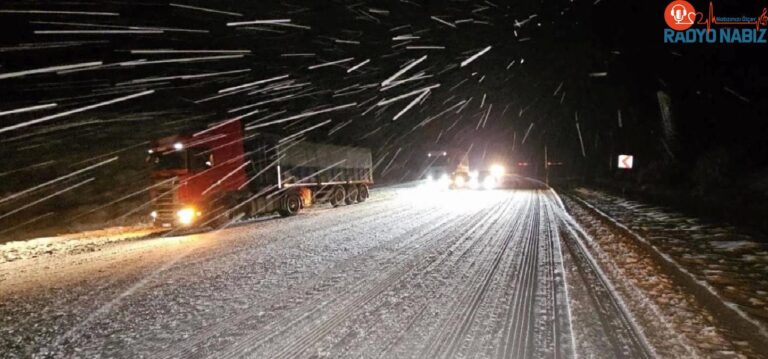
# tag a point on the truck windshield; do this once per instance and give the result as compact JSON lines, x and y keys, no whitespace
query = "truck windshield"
{"x":439,"y":161}
{"x":176,"y":160}
{"x":200,"y":159}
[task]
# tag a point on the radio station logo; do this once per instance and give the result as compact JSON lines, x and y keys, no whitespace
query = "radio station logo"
{"x":680,"y":15}
{"x":685,"y":25}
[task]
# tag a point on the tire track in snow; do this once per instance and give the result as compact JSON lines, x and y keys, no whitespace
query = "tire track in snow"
{"x":478,"y":235}
{"x":468,"y":318}
{"x":626,"y":339}
{"x":463,"y":311}
{"x":188,"y":347}
{"x":518,"y":326}
{"x":345,"y":310}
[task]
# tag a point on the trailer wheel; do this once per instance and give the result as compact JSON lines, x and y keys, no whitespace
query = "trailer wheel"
{"x":291,"y":205}
{"x":362,"y":193}
{"x":338,"y":196}
{"x":352,"y":194}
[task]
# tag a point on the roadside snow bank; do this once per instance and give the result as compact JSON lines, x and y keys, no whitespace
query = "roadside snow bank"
{"x":731,"y":263}
{"x":71,"y":243}
{"x":676,"y":318}
{"x":703,"y":249}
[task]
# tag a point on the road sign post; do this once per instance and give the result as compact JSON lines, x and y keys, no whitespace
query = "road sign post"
{"x":626,"y":162}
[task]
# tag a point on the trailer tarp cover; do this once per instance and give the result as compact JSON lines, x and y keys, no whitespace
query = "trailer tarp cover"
{"x":313,"y":162}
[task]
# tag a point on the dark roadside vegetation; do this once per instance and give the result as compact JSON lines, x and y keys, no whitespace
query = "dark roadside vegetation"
{"x":743,"y":203}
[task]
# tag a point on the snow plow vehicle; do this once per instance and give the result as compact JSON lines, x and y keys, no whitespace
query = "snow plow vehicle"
{"x":491,"y":178}
{"x":484,"y":173}
{"x":220,"y":174}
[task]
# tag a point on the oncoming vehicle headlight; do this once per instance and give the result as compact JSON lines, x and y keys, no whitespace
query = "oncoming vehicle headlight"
{"x":445,"y":179}
{"x":186,"y":215}
{"x":153,"y":214}
{"x":437,"y":181}
{"x":459,"y":181}
{"x":497,"y":170}
{"x":489,"y":182}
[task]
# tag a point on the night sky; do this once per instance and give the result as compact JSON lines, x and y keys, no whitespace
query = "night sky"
{"x":587,"y":79}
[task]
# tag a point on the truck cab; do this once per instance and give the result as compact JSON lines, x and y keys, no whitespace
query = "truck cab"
{"x":438,"y":166}
{"x":191,"y":172}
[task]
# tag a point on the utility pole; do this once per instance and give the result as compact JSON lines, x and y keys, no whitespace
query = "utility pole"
{"x":546,"y":166}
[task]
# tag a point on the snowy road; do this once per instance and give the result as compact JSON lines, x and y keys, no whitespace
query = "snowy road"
{"x":410,"y":273}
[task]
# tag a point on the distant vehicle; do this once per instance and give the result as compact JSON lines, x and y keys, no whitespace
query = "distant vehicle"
{"x":451,"y":170}
{"x":439,"y":166}
{"x":219,"y":174}
{"x":490,"y":178}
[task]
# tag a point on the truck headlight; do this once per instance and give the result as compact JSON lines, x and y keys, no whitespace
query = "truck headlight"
{"x":186,"y":215}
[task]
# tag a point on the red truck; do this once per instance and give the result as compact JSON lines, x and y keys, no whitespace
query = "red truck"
{"x":223,"y":173}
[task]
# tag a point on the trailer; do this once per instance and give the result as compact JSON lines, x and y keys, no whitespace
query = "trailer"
{"x":223,"y":173}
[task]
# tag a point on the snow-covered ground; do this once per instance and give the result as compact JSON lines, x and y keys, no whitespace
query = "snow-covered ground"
{"x":680,"y":271}
{"x":72,"y":243}
{"x":410,"y":273}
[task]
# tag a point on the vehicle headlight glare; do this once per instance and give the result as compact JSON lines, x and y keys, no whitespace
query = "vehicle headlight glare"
{"x":497,"y":170}
{"x":186,"y":215}
{"x":489,"y":183}
{"x":473,"y":183}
